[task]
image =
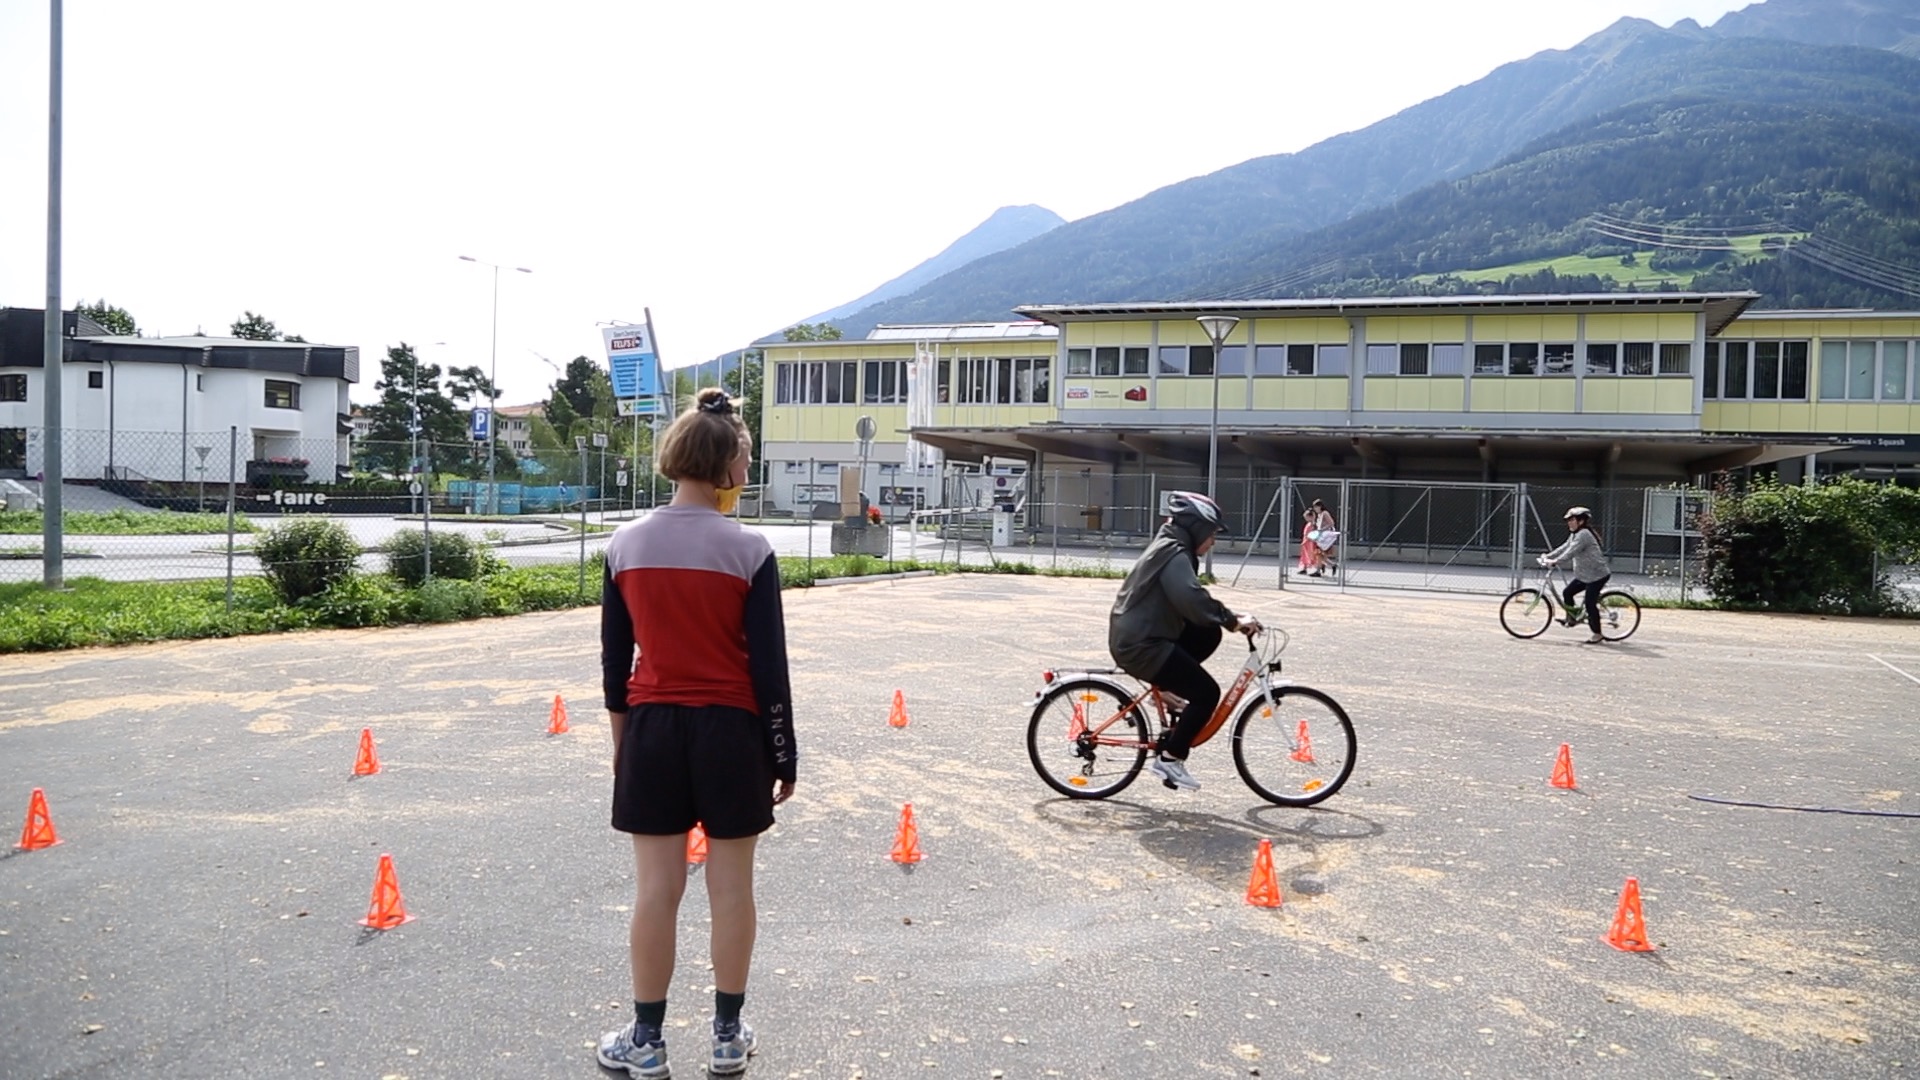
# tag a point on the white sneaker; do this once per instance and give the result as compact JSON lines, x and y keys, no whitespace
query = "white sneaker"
{"x":1173,"y":773}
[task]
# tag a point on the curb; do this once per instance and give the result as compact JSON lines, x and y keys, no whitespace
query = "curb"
{"x":901,"y":576}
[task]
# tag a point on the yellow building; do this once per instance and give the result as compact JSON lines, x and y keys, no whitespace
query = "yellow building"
{"x":1600,"y":390}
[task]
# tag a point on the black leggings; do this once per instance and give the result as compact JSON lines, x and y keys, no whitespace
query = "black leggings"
{"x":1183,"y":675}
{"x":1593,"y":599}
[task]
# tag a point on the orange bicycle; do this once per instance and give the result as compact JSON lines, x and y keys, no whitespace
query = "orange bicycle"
{"x":1091,"y":730}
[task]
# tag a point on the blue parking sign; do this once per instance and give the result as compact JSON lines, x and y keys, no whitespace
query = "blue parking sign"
{"x":482,"y":424}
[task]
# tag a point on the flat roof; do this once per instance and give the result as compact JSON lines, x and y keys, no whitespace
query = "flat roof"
{"x":1721,"y":307}
{"x":1777,"y":314}
{"x":895,"y":333}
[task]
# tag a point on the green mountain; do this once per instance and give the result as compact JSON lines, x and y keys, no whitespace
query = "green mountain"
{"x":1249,"y":227}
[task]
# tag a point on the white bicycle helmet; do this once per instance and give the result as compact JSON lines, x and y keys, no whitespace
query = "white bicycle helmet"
{"x":1196,"y":513}
{"x":1577,"y":512}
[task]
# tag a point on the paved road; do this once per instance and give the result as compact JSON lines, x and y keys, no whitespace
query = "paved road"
{"x":1441,"y":914}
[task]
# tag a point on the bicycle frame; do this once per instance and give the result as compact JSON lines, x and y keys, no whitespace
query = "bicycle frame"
{"x":1261,"y":664}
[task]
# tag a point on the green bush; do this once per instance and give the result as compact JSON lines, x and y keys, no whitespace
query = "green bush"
{"x":123,"y":523}
{"x":445,"y":600}
{"x":355,"y":600}
{"x":455,"y":556}
{"x":1813,"y":548}
{"x":306,"y":556}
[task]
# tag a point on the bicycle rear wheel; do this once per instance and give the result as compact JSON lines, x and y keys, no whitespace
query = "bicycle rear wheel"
{"x":1069,"y":757}
{"x":1296,"y":751}
{"x":1526,"y":613}
{"x":1619,"y":615}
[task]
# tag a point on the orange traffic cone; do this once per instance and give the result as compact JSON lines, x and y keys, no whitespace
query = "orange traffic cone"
{"x":1303,"y":748}
{"x":557,"y":719}
{"x":1263,"y":890}
{"x":1629,"y":930}
{"x":906,"y":845}
{"x":368,"y":762}
{"x":898,"y":717}
{"x":386,"y":909}
{"x":1563,"y":769}
{"x":696,"y":846}
{"x":38,"y":832}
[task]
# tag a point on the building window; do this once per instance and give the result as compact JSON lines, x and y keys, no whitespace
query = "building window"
{"x":96,"y":380}
{"x":13,"y":388}
{"x":1173,"y":359}
{"x":1413,"y":359}
{"x":1523,"y":358}
{"x":972,"y":374}
{"x":1233,"y":360}
{"x":1031,"y":376}
{"x":1868,"y":370}
{"x":1489,"y":359}
{"x":1636,"y":358}
{"x":1676,"y":359}
{"x":283,"y":395}
{"x":1079,"y":361}
{"x":199,"y":380}
{"x":885,"y":382}
{"x":1134,"y":361}
{"x":1106,"y":361}
{"x":1755,"y":370}
{"x":1557,"y":358}
{"x":1603,"y":359}
{"x":1333,"y":359}
{"x":1383,"y":359}
{"x":1449,"y":359}
{"x":1003,"y":380}
{"x":830,"y":383}
{"x":1283,"y":360}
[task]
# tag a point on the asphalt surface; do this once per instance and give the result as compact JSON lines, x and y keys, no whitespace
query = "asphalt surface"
{"x":1442,"y":913}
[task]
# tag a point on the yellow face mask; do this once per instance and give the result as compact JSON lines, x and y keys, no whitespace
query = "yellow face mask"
{"x":728,"y":499}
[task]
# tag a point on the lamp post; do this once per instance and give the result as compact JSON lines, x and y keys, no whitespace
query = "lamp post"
{"x":1217,"y":328}
{"x":493,"y":377}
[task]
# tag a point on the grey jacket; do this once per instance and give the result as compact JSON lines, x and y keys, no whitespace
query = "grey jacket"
{"x":1161,"y":595}
{"x":1582,"y":549}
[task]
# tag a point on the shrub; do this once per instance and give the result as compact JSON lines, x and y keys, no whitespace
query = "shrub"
{"x":455,"y":556}
{"x":445,"y":600}
{"x":354,"y":600}
{"x":1809,"y":548}
{"x":306,"y":556}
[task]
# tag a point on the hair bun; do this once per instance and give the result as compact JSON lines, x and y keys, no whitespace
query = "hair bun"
{"x":715,"y":400}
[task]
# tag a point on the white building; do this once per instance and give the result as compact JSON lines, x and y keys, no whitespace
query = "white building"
{"x":138,"y":408}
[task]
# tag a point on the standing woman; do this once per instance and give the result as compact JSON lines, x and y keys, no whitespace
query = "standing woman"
{"x":1590,"y":570}
{"x":702,"y":731}
{"x":1307,"y":555}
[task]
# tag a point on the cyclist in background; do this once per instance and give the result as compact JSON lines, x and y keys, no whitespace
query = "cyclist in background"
{"x":1589,"y":570}
{"x":1165,"y":624}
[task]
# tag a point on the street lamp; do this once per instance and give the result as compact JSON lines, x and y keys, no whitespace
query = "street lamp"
{"x":493,"y":377}
{"x":1217,"y":328}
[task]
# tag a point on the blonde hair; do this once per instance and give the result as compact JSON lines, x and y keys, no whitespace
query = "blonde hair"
{"x":705,"y":441}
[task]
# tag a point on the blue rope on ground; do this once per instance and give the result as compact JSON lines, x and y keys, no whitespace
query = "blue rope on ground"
{"x":1807,"y":809}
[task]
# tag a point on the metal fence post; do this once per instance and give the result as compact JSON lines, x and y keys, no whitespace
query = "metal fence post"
{"x":809,"y":486}
{"x":233,"y":451}
{"x":583,"y":523}
{"x":1056,"y":519}
{"x":426,"y":532}
{"x":1521,"y":503}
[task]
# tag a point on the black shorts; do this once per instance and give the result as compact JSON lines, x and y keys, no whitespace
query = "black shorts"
{"x":682,"y":764}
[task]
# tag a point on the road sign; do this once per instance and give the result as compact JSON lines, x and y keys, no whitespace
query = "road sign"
{"x":620,"y":478}
{"x":646,"y":406}
{"x":600,"y":439}
{"x":864,"y":428}
{"x":631,"y":361}
{"x":482,"y":424}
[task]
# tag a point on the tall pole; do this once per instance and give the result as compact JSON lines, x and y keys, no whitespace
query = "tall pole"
{"x":1217,"y":328}
{"x":493,"y":395}
{"x":53,"y":370}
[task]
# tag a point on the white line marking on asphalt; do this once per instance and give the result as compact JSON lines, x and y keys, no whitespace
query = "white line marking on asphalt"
{"x":1895,"y":670}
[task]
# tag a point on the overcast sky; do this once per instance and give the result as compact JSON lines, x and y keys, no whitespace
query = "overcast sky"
{"x":735,"y":167}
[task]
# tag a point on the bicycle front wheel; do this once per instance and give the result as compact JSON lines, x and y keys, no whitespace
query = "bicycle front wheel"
{"x":1526,"y":613}
{"x":1074,"y":748}
{"x":1296,"y":750}
{"x":1619,"y":615}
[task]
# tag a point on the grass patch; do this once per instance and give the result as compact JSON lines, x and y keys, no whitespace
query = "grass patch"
{"x":1745,"y":249}
{"x":96,"y":612}
{"x":122,"y":523}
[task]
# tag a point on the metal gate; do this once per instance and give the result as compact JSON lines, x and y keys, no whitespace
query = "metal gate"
{"x":1396,"y":534}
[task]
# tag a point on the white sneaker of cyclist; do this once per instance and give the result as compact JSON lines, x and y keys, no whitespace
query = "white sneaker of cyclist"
{"x":1175,"y":703}
{"x":1173,"y":772}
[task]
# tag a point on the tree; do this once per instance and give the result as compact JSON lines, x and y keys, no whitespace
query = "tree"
{"x":577,"y":386}
{"x":442,"y":426}
{"x":115,"y":320}
{"x":255,"y":328}
{"x":811,"y":332}
{"x":744,"y":383}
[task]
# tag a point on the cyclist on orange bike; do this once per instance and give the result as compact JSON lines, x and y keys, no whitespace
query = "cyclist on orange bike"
{"x":1165,"y":624}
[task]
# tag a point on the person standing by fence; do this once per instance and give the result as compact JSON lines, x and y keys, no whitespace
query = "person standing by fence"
{"x":702,"y":731}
